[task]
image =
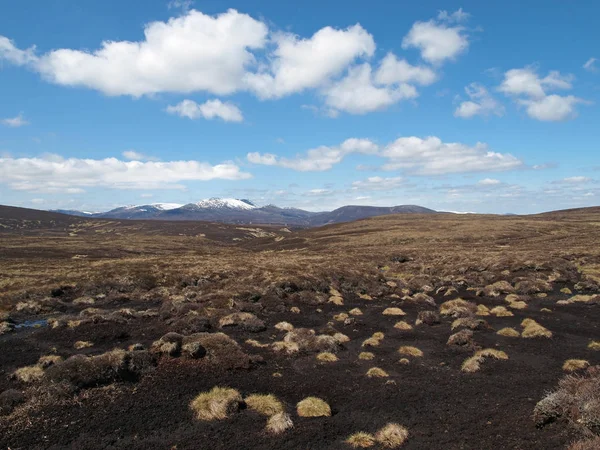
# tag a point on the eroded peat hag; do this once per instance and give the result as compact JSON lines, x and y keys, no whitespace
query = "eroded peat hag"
{"x":433,"y":331}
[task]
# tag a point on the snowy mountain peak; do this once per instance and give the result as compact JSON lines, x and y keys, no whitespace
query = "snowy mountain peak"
{"x":231,"y":203}
{"x":166,"y":206}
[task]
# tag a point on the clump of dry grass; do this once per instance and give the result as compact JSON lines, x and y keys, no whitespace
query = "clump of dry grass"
{"x":295,"y":310}
{"x":29,"y":374}
{"x":313,"y":407}
{"x":279,"y":422}
{"x":255,"y":343}
{"x":470,"y":323}
{"x":573,"y":365}
{"x":594,"y":345}
{"x":501,"y":311}
{"x":491,"y":353}
{"x":392,"y":435}
{"x":376,"y":372}
{"x":46,"y":361}
{"x":546,"y":310}
{"x":532,"y":329}
{"x":243,"y":320}
{"x":366,"y":356}
{"x":340,"y":317}
{"x":482,"y":310}
{"x":428,"y":318}
{"x":265,"y":404}
{"x":82,"y":344}
{"x":289,"y":348}
{"x":216,"y":404}
{"x":404,"y":361}
{"x":374,"y":341}
{"x":393,"y":312}
{"x":355,"y":312}
{"x":336,"y":300}
{"x":457,"y":308}
{"x":409,"y":350}
{"x":463,"y":339}
{"x":403,"y":326}
{"x":341,"y":338}
{"x":473,"y":364}
{"x":284,"y":326}
{"x":361,"y":440}
{"x":508,"y":332}
{"x":327,"y":357}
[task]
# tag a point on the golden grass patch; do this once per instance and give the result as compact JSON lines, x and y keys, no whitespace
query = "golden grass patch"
{"x":572,"y":365}
{"x":472,"y":364}
{"x":491,"y":353}
{"x":284,"y":326}
{"x":393,"y":312}
{"x":355,"y":312}
{"x":361,"y":440}
{"x":340,"y":317}
{"x":532,"y":329}
{"x":482,"y":310}
{"x":403,"y":326}
{"x":594,"y":345}
{"x":566,"y":290}
{"x":295,"y":310}
{"x":508,"y":332}
{"x":392,"y":436}
{"x":546,"y":310}
{"x":82,"y":344}
{"x":457,"y":308}
{"x":327,"y":357}
{"x":29,"y":374}
{"x":279,"y":422}
{"x":216,"y":404}
{"x":366,"y":356}
{"x":289,"y":348}
{"x":378,"y":335}
{"x":409,"y":350}
{"x":404,"y":361}
{"x":265,"y":404}
{"x":255,"y":343}
{"x":313,"y":407}
{"x":376,"y":372}
{"x":336,"y":300}
{"x":341,"y":338}
{"x":501,"y":311}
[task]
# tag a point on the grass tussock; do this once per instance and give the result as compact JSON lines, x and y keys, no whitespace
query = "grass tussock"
{"x":376,"y":372}
{"x":392,"y":436}
{"x":472,"y":364}
{"x":361,"y":440}
{"x":403,"y":326}
{"x":501,"y":311}
{"x":216,"y":404}
{"x":336,"y":300}
{"x":340,"y":317}
{"x":341,"y":338}
{"x":82,"y":344}
{"x":458,"y":308}
{"x":355,"y":312}
{"x":482,"y":310}
{"x":532,"y":329}
{"x":288,"y":348}
{"x":279,"y":423}
{"x":508,"y":332}
{"x":409,"y":350}
{"x":393,"y":312}
{"x":327,"y":357}
{"x":255,"y":343}
{"x":284,"y":326}
{"x":594,"y":345}
{"x":313,"y":407}
{"x":374,"y":341}
{"x":366,"y":356}
{"x":491,"y":353}
{"x":29,"y":374}
{"x":573,"y":365}
{"x":265,"y":404}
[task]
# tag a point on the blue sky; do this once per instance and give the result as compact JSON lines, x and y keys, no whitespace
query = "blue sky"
{"x":470,"y":106}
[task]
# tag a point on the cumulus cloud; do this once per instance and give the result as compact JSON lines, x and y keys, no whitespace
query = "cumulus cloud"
{"x":183,"y":5}
{"x":53,"y":173}
{"x":481,"y":103}
{"x":357,"y":94}
{"x":208,"y":110}
{"x":531,"y":91}
{"x":457,"y":16}
{"x":489,"y":182}
{"x":298,"y":64}
{"x":378,"y":184}
{"x":575,"y":180}
{"x":15,"y":122}
{"x":133,"y":155}
{"x":590,"y":65}
{"x":437,"y":40}
{"x":412,"y":155}
{"x":392,"y":70}
{"x":318,"y":159}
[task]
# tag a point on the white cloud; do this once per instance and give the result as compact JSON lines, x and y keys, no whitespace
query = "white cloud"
{"x":431,"y":156}
{"x":194,"y":52}
{"x":52,"y":173}
{"x":436,"y":40}
{"x":15,"y":122}
{"x":575,"y":180}
{"x":208,"y":110}
{"x":378,"y":184}
{"x":392,"y":70}
{"x":357,"y":94}
{"x":298,"y":64}
{"x":413,"y":155}
{"x":539,"y":104}
{"x":183,"y":5}
{"x":12,"y":54}
{"x":489,"y":182}
{"x":457,"y":16}
{"x":317,"y":159}
{"x":481,"y":103}
{"x":552,"y":108}
{"x":590,"y":65}
{"x":133,"y":155}
{"x":319,"y":192}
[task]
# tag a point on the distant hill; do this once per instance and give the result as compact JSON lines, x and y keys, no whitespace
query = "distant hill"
{"x":242,"y":211}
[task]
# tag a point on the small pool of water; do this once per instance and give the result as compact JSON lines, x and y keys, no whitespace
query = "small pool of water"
{"x":32,"y":324}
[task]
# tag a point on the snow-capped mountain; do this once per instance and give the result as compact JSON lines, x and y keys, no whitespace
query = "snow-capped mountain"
{"x":242,"y":211}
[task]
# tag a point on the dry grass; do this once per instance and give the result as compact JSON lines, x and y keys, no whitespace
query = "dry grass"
{"x":472,"y":364}
{"x":295,"y":310}
{"x":508,"y":332}
{"x":313,"y":407}
{"x":284,"y":326}
{"x":392,"y":436}
{"x":216,"y":404}
{"x":279,"y":422}
{"x":404,"y":361}
{"x":366,"y":356}
{"x":289,"y":348}
{"x":573,"y":365}
{"x":594,"y":345}
{"x":341,"y":338}
{"x":403,"y":326}
{"x":355,"y":312}
{"x":408,"y":350}
{"x":482,"y":310}
{"x":374,"y":341}
{"x":376,"y":372}
{"x":336,"y":300}
{"x":532,"y":329}
{"x":361,"y":440}
{"x":491,"y":353}
{"x":458,"y":308}
{"x":327,"y":357}
{"x":340,"y":317}
{"x":255,"y":343}
{"x":501,"y":311}
{"x":82,"y":344}
{"x":393,"y":312}
{"x":265,"y":404}
{"x":29,"y":374}
{"x":49,"y":360}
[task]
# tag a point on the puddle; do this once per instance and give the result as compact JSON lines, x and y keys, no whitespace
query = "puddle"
{"x":32,"y":324}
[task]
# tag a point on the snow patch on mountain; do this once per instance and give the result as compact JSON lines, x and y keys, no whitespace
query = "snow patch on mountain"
{"x":166,"y":206}
{"x":231,"y":203}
